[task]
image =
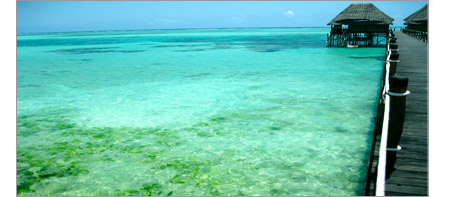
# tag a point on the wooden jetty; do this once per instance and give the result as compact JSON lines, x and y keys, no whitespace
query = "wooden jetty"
{"x":410,"y":175}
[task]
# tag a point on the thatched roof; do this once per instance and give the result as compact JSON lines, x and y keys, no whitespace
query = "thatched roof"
{"x":418,"y":17}
{"x":361,"y":12}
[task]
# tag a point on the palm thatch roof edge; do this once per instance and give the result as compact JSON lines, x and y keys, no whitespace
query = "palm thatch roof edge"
{"x":418,"y":16}
{"x":361,"y":11}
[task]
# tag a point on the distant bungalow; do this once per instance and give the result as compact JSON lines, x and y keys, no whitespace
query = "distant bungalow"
{"x":417,"y":24}
{"x":359,"y":24}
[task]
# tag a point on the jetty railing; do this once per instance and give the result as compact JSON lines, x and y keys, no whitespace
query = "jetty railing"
{"x":421,"y":35}
{"x":381,"y":167}
{"x":394,"y":90}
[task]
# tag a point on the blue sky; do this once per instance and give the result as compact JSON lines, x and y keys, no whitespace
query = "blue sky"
{"x":61,"y":16}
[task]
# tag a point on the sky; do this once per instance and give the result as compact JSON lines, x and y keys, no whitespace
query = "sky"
{"x":63,"y":16}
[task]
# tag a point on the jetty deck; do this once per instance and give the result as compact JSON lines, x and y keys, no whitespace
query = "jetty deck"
{"x":411,"y":175}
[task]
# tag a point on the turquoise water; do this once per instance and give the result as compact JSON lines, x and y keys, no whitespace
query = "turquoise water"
{"x":194,"y":112}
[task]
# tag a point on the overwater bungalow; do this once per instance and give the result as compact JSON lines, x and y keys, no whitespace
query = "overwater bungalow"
{"x":360,"y":24}
{"x":417,"y":24}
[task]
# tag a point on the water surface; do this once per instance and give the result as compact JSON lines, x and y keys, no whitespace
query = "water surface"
{"x":194,"y":112}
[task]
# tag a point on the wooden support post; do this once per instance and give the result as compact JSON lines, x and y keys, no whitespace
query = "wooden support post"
{"x":394,"y":59}
{"x":391,"y":40}
{"x":396,"y":121}
{"x":393,"y":47}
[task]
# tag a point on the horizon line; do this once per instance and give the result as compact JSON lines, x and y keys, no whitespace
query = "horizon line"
{"x":115,"y":30}
{"x":191,"y":28}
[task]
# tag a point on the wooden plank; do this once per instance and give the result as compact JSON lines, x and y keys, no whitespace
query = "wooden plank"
{"x":423,"y":164}
{"x":409,"y":174}
{"x":419,"y":191}
{"x":415,"y":127}
{"x":408,"y":142}
{"x":411,"y":131}
{"x":408,"y":181}
{"x":393,"y":193}
{"x":417,"y":168}
{"x":413,"y":140}
{"x":414,"y":146}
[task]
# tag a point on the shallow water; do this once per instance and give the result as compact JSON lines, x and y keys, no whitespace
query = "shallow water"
{"x":194,"y":112}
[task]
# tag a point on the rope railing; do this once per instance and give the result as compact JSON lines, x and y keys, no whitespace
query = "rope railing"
{"x":392,"y":117}
{"x":381,"y":167}
{"x":389,"y":121}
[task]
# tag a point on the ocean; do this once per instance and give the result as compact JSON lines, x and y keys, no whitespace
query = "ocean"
{"x":256,"y":111}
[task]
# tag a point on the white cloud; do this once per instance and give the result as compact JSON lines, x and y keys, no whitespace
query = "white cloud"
{"x":289,"y":13}
{"x":240,"y":18}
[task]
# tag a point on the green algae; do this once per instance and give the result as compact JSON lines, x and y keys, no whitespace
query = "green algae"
{"x":77,"y":147}
{"x":154,"y":189}
{"x":189,"y":171}
{"x":32,"y":169}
